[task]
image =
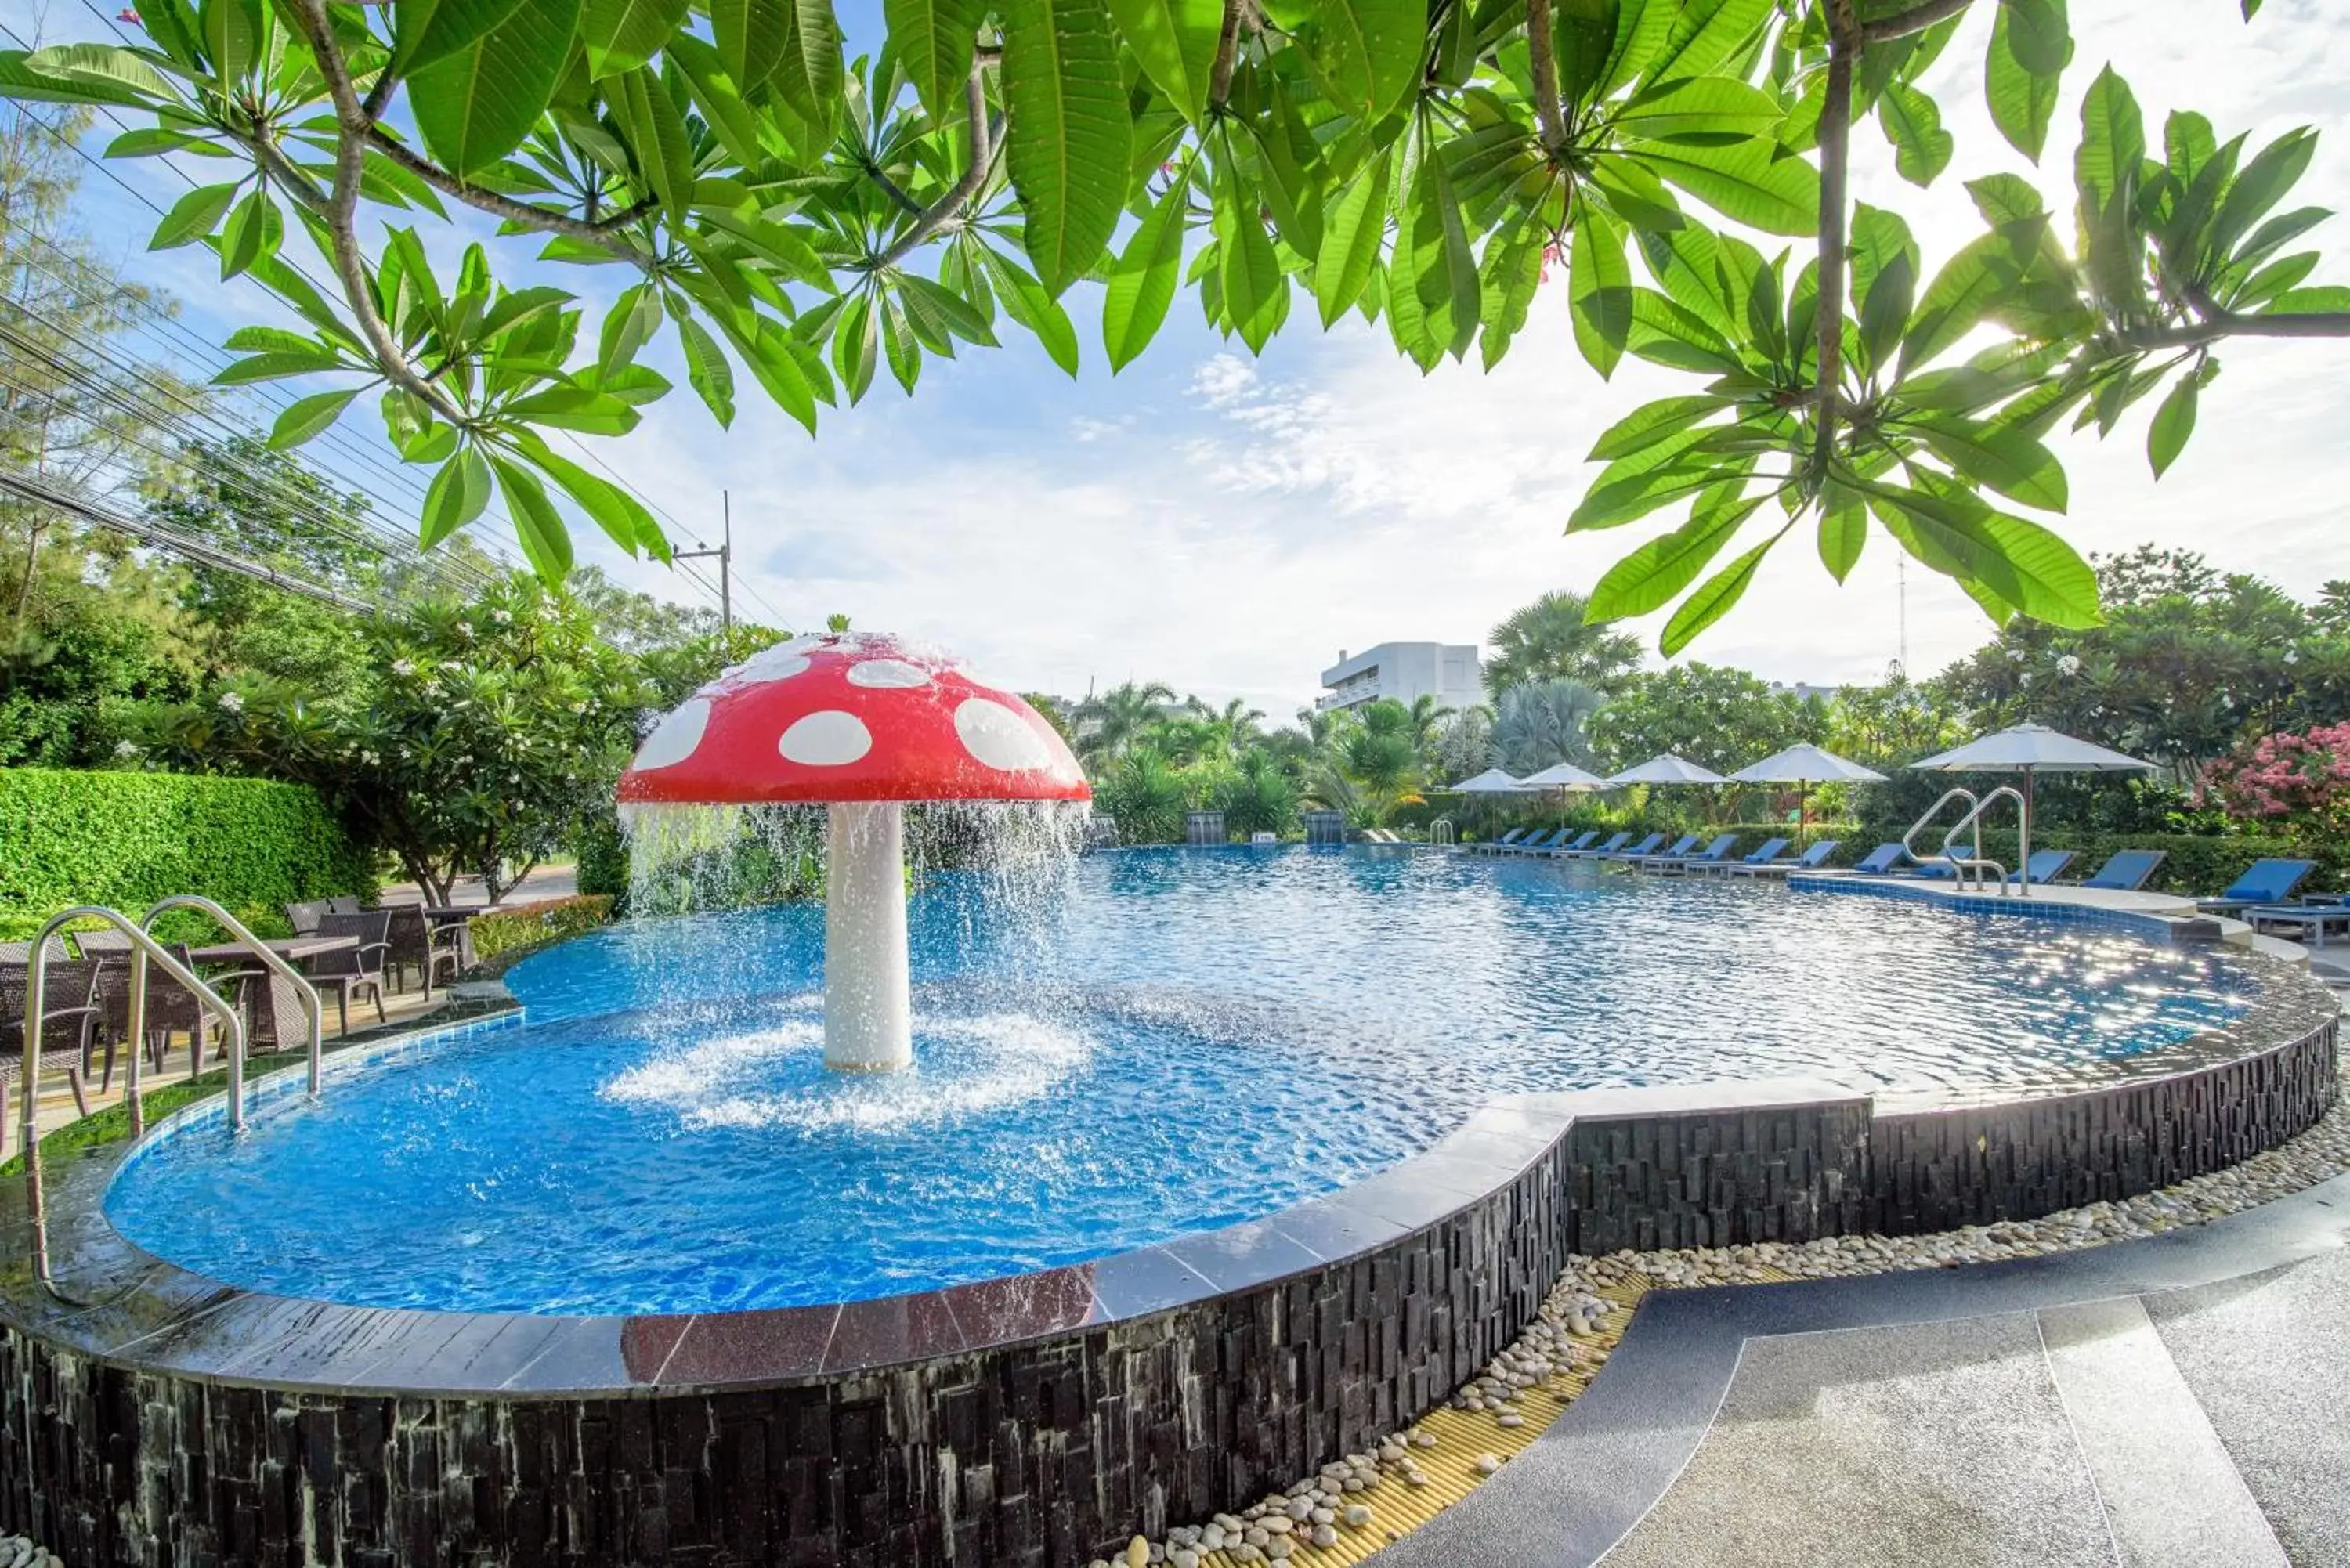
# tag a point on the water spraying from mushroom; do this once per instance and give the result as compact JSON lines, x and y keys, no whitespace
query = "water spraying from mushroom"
{"x":862,"y":724}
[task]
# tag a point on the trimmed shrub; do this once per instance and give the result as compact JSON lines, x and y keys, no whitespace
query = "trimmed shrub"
{"x":501,"y":937}
{"x":126,"y":839}
{"x":602,"y":858}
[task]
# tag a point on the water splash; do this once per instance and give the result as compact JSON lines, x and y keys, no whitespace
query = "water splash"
{"x":773,"y":1076}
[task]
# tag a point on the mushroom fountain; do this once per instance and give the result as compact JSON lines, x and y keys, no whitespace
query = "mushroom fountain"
{"x":860,"y":723}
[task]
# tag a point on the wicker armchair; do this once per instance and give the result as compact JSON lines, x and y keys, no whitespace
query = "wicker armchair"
{"x":355,"y":969}
{"x":427,"y":945}
{"x":72,"y":1020}
{"x":172,"y":1007}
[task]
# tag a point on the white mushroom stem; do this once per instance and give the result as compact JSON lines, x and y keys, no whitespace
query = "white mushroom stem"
{"x":869,"y":1023}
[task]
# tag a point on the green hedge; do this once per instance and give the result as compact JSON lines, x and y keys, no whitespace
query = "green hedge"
{"x":126,"y":839}
{"x":502,"y":937}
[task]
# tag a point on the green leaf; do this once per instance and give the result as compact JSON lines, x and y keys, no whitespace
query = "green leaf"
{"x":106,"y":66}
{"x":1646,"y":425}
{"x":2007,"y":460}
{"x":1351,"y":236}
{"x":458,"y":495}
{"x":1885,"y":308}
{"x":1508,"y":279}
{"x":426,"y":32}
{"x":1069,"y":136}
{"x":629,"y":325}
{"x":2021,"y":85}
{"x":232,"y":35}
{"x":309,"y":416}
{"x":935,"y":40}
{"x":856,"y":346}
{"x":2174,"y":421}
{"x":1719,"y":595}
{"x":1026,"y":301}
{"x":1971,"y":283}
{"x":2113,"y":142}
{"x":940,"y":312}
{"x":545,"y":542}
{"x":750,"y":35}
{"x":1745,"y":182}
{"x":1254,"y":291}
{"x":624,"y":519}
{"x":706,"y":369}
{"x":1143,"y":281}
{"x":622,"y":35}
{"x":192,"y":216}
{"x":1367,"y":54}
{"x":1176,"y":42}
{"x":1443,"y":266}
{"x":173,"y":26}
{"x":657,"y":137}
{"x":573,"y":408}
{"x":1704,"y":33}
{"x":276,"y":366}
{"x":1648,"y":577}
{"x":1844,"y":529}
{"x":808,"y":74}
{"x":1708,"y":109}
{"x":2325,"y":301}
{"x":1921,"y":148}
{"x":1599,"y":290}
{"x":477,"y":104}
{"x":22,"y":83}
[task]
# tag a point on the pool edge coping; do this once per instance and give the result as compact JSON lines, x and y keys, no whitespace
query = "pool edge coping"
{"x":146,"y":1312}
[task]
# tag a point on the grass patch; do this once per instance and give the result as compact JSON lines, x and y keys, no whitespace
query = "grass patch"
{"x":112,"y":1125}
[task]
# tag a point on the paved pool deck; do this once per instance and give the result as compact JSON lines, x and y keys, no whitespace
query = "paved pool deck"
{"x":2179,"y":1400}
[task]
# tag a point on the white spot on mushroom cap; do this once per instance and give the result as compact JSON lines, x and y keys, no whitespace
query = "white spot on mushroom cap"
{"x":886,"y":673}
{"x":1000,"y":737}
{"x":676,"y":737}
{"x":827,"y":739}
{"x":774,"y":664}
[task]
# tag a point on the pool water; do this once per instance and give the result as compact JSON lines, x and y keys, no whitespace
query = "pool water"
{"x":1137,"y":1045}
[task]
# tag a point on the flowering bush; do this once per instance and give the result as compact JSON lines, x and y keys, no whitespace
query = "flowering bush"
{"x":2300,"y":779}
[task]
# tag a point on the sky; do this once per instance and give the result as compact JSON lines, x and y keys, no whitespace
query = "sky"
{"x":1227,"y":523}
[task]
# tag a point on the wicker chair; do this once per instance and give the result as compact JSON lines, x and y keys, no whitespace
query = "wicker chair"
{"x":72,"y":1020}
{"x":172,"y":1007}
{"x":21,"y":953}
{"x":354,"y":970}
{"x":306,"y":916}
{"x":345,"y":904}
{"x":429,"y":946}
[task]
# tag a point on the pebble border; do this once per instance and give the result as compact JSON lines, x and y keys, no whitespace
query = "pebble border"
{"x":1352,"y":1507}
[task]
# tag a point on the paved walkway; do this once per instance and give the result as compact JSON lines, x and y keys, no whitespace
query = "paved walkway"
{"x":2183,"y":1400}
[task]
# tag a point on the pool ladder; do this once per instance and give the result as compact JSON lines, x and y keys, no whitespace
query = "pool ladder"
{"x":1973,"y":861}
{"x":145,"y":950}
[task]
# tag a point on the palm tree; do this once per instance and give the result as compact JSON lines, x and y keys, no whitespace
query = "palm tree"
{"x":1241,"y":724}
{"x":1551,"y":638}
{"x":1543,"y":723}
{"x":1110,"y":723}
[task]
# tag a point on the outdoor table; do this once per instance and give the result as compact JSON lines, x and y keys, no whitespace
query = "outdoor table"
{"x":293,"y":948}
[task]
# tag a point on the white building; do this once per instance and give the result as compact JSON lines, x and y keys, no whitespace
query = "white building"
{"x":1405,"y":671}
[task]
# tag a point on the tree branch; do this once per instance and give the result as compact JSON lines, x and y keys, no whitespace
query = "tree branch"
{"x":1541,"y":46}
{"x":1228,"y":49}
{"x":2226,"y":325}
{"x":938,"y":213}
{"x":350,"y":267}
{"x":1835,"y":142}
{"x":602,"y":232}
{"x":1916,"y":19}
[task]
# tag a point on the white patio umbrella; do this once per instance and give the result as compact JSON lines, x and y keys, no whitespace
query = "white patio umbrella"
{"x":1665,"y":768}
{"x":1563,"y":776}
{"x":1804,"y":765}
{"x":1492,"y":781}
{"x":2030,"y":749}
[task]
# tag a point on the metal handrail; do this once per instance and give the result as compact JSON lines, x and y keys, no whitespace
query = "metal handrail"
{"x":1973,"y":819}
{"x":1956,"y":792}
{"x":144,"y":947}
{"x":1441,"y":831}
{"x":270,"y":959}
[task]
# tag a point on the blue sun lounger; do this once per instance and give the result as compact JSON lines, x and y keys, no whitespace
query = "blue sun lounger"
{"x":2126,"y":870}
{"x":1680,"y":846}
{"x":1769,"y":852}
{"x":2313,"y":919}
{"x":1646,"y":846}
{"x":1498,"y":845}
{"x":2044,"y":866}
{"x":1577,"y":847}
{"x":1538,"y":843}
{"x":1812,"y":859}
{"x":2263,"y":882}
{"x":1602,"y":851}
{"x":1680,"y":859}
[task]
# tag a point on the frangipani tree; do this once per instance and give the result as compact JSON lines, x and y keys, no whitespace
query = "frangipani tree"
{"x":789,"y":213}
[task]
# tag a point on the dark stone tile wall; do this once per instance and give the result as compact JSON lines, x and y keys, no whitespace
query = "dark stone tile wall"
{"x":1047,"y":1453}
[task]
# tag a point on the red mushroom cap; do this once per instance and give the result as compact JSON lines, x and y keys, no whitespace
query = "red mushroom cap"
{"x":852,"y":716}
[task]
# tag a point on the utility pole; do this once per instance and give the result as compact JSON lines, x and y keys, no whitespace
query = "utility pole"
{"x":726,"y":558}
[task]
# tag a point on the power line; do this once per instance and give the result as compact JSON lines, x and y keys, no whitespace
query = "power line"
{"x":293,"y":265}
{"x":33,"y":489}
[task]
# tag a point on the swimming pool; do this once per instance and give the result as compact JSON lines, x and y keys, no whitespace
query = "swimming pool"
{"x":1145,"y":1044}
